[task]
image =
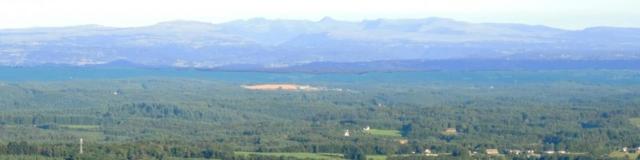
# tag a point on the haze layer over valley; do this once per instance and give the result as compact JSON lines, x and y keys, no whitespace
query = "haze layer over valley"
{"x":277,"y":43}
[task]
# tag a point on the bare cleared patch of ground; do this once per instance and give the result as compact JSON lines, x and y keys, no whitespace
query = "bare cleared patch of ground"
{"x":284,"y":86}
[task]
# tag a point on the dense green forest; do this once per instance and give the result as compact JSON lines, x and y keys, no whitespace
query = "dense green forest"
{"x":576,"y":114}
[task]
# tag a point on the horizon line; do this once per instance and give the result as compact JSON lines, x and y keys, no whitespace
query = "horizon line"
{"x":308,"y":20}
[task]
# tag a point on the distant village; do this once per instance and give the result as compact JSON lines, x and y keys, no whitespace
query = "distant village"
{"x":492,"y":151}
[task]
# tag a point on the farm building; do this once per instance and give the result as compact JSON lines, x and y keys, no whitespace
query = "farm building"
{"x":492,"y":152}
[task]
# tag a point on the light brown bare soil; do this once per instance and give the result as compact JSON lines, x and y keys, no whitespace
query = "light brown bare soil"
{"x":286,"y":87}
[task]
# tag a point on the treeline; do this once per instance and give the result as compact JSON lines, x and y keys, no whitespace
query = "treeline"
{"x":118,"y":151}
{"x":43,"y":119}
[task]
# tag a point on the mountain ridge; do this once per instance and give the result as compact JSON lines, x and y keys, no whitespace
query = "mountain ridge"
{"x":281,"y":43}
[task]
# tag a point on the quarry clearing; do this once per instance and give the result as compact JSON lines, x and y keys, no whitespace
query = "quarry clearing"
{"x":283,"y":86}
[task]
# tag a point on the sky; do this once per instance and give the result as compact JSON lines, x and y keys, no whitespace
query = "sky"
{"x":567,"y":14}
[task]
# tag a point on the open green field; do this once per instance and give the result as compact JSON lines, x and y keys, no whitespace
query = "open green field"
{"x":635,"y":121}
{"x":296,"y":155}
{"x":80,"y":126}
{"x":383,"y":132}
{"x":618,"y":154}
{"x":376,"y":157}
{"x":308,"y":155}
{"x":89,"y":136}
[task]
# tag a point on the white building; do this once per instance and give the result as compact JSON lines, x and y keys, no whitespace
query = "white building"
{"x":531,"y":151}
{"x":492,"y":152}
{"x":515,"y":151}
{"x":346,"y":133}
{"x":427,"y":152}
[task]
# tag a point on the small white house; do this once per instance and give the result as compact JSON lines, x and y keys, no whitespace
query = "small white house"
{"x":346,"y":133}
{"x":427,"y":152}
{"x":492,"y":152}
{"x":366,"y":128}
{"x":531,"y":151}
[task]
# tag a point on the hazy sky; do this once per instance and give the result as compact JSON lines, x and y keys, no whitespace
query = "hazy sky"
{"x":572,"y":14}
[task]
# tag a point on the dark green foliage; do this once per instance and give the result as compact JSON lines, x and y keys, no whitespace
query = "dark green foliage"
{"x":154,"y":118}
{"x":354,"y":153}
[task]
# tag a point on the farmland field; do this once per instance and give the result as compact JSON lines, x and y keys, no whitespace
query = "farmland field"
{"x":309,"y":155}
{"x":382,"y":132}
{"x":296,"y":155}
{"x":622,"y":155}
{"x":635,"y":121}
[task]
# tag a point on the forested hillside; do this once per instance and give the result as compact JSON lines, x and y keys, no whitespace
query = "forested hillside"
{"x":454,"y":115}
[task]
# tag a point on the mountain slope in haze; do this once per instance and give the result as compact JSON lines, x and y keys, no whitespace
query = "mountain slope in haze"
{"x":283,"y":43}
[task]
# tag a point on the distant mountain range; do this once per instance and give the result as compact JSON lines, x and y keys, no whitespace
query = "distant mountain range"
{"x":263,"y":44}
